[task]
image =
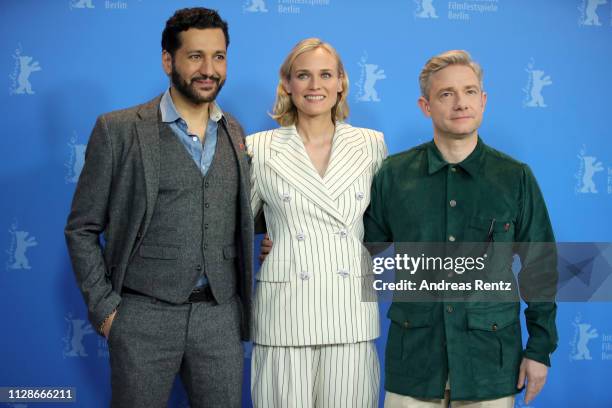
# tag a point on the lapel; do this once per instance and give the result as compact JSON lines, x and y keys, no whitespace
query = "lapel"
{"x":147,"y":130}
{"x":291,"y":162}
{"x":349,"y":159}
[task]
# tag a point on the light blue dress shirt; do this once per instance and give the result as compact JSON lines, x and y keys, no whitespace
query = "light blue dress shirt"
{"x":201,"y":153}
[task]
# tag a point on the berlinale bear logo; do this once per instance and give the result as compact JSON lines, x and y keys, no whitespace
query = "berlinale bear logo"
{"x":588,"y":12}
{"x":425,"y":9}
{"x":21,"y":241}
{"x":24,"y":67}
{"x":583,"y":333}
{"x":370,"y":75}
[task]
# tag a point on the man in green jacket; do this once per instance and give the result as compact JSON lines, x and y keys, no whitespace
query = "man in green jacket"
{"x":457,"y":189}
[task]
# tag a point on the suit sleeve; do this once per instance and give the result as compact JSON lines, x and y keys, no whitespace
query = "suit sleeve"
{"x":256,"y":201}
{"x":381,"y":150}
{"x":375,"y":218}
{"x":87,"y":220}
{"x":538,"y":275}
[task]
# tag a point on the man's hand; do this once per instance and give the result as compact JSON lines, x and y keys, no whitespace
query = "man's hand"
{"x":535,"y":374}
{"x":266,"y":247}
{"x":108,"y":323}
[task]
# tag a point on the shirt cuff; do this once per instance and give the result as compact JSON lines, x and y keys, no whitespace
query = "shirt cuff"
{"x":539,"y":357}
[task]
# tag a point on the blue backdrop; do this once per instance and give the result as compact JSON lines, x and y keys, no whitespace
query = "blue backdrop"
{"x":547,"y":72}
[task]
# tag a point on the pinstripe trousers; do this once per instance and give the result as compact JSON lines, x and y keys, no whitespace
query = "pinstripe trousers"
{"x":323,"y":376}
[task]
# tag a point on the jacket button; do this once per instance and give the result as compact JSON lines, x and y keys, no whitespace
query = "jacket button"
{"x":139,"y":235}
{"x":206,"y":205}
{"x":406,"y":324}
{"x":199,"y":268}
{"x":205,"y":226}
{"x":494,"y":327}
{"x":206,"y":185}
{"x":449,"y":309}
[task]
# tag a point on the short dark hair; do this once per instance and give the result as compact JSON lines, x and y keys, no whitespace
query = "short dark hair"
{"x":184,"y":19}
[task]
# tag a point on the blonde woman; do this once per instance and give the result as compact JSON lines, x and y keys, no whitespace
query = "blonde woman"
{"x":313,"y":332}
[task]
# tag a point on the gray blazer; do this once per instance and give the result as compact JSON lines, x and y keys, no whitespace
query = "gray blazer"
{"x":116,"y":196}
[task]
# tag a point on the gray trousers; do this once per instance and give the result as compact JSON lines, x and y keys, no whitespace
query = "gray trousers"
{"x":150,"y":342}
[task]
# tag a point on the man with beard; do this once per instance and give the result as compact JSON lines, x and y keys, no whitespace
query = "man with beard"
{"x":166,"y":183}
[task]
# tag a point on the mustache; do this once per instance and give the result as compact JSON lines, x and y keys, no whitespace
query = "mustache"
{"x":215,"y":78}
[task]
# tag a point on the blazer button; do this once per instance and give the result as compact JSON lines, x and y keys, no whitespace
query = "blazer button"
{"x":449,"y":309}
{"x":198,"y":268}
{"x":139,"y":235}
{"x":206,"y":185}
{"x":206,"y":205}
{"x":406,"y":324}
{"x":494,"y":327}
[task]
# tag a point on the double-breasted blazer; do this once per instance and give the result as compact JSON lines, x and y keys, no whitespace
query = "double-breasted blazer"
{"x":313,"y":286}
{"x":115,"y":198}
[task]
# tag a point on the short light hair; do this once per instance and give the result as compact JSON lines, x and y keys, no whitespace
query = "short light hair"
{"x":285,"y":112}
{"x":441,"y":61}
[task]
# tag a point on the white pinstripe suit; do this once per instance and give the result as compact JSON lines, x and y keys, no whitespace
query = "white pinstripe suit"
{"x":309,"y":288}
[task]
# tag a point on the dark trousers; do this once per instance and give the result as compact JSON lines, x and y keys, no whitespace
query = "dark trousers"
{"x":151,"y":341}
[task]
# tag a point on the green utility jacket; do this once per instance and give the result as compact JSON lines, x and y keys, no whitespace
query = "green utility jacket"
{"x":417,"y":197}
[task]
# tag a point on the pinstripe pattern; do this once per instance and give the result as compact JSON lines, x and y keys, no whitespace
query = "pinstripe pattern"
{"x":333,"y":376}
{"x":309,"y":288}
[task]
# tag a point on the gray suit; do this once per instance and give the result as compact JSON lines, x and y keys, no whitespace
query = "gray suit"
{"x":118,"y":195}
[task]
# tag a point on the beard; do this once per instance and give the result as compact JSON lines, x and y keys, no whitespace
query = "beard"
{"x":189,"y":91}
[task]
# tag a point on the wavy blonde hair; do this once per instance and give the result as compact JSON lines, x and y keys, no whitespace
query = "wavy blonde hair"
{"x":285,"y":112}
